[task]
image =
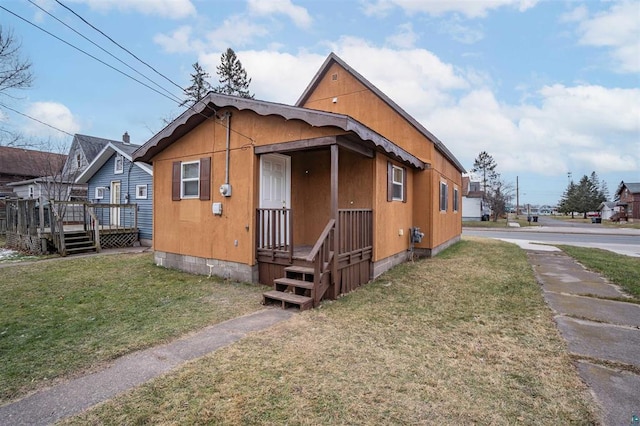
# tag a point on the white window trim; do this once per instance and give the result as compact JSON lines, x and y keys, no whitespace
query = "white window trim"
{"x":117,"y":170}
{"x":446,"y":196}
{"x":183,"y":180}
{"x":144,"y":195}
{"x":400,"y":184}
{"x":99,"y":193}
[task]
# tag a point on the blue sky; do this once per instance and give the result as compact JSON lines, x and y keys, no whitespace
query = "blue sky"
{"x":546,"y":87}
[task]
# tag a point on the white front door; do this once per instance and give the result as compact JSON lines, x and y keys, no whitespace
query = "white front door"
{"x":275,"y":193}
{"x":275,"y":181}
{"x":115,"y":199}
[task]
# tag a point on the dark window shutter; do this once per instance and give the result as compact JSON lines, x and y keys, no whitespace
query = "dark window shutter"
{"x":404,"y":184}
{"x":175,"y":181}
{"x":205,"y":178}
{"x":389,"y":181}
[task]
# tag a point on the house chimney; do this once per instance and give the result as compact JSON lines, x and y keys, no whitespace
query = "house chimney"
{"x":125,"y":138}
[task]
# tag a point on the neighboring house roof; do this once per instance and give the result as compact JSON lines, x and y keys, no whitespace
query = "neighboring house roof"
{"x":606,"y":204}
{"x":633,"y":188}
{"x":466,"y":189}
{"x":29,"y":163}
{"x":334,"y":58}
{"x":42,"y":179}
{"x":91,"y":145}
{"x":126,"y":150}
{"x":205,"y":109}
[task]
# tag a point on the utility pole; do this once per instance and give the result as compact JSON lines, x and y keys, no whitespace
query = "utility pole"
{"x":517,"y":198}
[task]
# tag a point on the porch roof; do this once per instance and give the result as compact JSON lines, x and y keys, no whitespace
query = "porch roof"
{"x":207,"y":108}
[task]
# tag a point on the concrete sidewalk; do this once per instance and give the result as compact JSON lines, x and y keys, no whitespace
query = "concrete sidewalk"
{"x":72,"y":397}
{"x":602,"y":335}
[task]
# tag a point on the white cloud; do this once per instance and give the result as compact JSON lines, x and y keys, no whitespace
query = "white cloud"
{"x":54,"y":114}
{"x":460,"y":32}
{"x":277,"y":77}
{"x":618,"y":29}
{"x":468,"y":8}
{"x":405,"y":38}
{"x":297,"y":14}
{"x":570,"y":128}
{"x":235,"y":31}
{"x":577,"y":14}
{"x":173,"y":9}
{"x":179,"y":41}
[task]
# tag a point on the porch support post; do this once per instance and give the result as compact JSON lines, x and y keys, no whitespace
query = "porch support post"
{"x":334,"y":215}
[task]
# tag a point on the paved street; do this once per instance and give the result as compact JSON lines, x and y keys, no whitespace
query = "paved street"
{"x":624,"y":241}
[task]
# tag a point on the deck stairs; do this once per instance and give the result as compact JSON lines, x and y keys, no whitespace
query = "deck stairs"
{"x":296,"y":289}
{"x":78,"y":242}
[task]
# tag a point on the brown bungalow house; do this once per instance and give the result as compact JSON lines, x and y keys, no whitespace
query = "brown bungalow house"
{"x":315,"y":199}
{"x":627,"y":200}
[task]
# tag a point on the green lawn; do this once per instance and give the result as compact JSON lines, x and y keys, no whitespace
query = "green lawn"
{"x":464,"y":338}
{"x":619,"y":269}
{"x":60,"y":317}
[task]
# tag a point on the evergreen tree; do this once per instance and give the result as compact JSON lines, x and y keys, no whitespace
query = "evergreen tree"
{"x":199,"y":86}
{"x":486,"y":165}
{"x":232,"y":76}
{"x":583,"y":197}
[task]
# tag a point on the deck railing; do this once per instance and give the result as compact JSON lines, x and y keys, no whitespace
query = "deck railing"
{"x":274,"y":232}
{"x":356,"y":230}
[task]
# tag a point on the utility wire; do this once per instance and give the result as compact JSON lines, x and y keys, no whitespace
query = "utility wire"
{"x":86,"y":53}
{"x":174,"y":99}
{"x":119,"y":45}
{"x":101,"y":48}
{"x":34,"y":119}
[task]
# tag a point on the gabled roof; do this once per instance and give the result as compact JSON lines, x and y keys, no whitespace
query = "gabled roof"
{"x":206,"y":108}
{"x":126,"y":150}
{"x":29,"y":163}
{"x":90,"y":145}
{"x":333,"y":58}
{"x":634,"y":187}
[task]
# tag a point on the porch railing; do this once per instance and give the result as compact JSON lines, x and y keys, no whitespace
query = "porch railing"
{"x":356,"y":230}
{"x":274,"y":232}
{"x":322,"y":257}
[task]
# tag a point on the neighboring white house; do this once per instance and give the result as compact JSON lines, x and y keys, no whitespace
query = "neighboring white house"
{"x":607,"y":209}
{"x":472,"y":208}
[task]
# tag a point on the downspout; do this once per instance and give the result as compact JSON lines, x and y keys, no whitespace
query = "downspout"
{"x":226,"y":171}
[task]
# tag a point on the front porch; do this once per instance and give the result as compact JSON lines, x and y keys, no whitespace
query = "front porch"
{"x":69,"y":227}
{"x":303,"y":275}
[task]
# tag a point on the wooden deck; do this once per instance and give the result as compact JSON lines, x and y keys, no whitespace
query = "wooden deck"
{"x":313,"y":272}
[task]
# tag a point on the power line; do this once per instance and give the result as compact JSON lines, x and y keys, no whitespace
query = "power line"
{"x":100,"y":47}
{"x":86,"y":53}
{"x":172,"y":98}
{"x":34,"y":119}
{"x":119,"y":45}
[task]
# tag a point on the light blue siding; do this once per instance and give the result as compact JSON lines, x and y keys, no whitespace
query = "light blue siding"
{"x":132,"y":176}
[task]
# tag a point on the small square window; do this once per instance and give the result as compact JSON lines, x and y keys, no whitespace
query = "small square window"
{"x":190,"y":179}
{"x":118,"y":164}
{"x":141,"y":192}
{"x":99,"y":194}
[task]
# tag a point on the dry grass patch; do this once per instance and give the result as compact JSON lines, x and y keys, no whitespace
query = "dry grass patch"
{"x":463,"y":338}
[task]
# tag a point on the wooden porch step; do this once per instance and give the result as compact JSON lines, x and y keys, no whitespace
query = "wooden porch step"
{"x":299,"y":270}
{"x":279,"y":283}
{"x":287,"y":300}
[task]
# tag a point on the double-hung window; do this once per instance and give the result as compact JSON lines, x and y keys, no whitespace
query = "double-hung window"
{"x":396,"y":183}
{"x":455,"y":199}
{"x":190,"y":180}
{"x":443,"y":196}
{"x":118,"y":166}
